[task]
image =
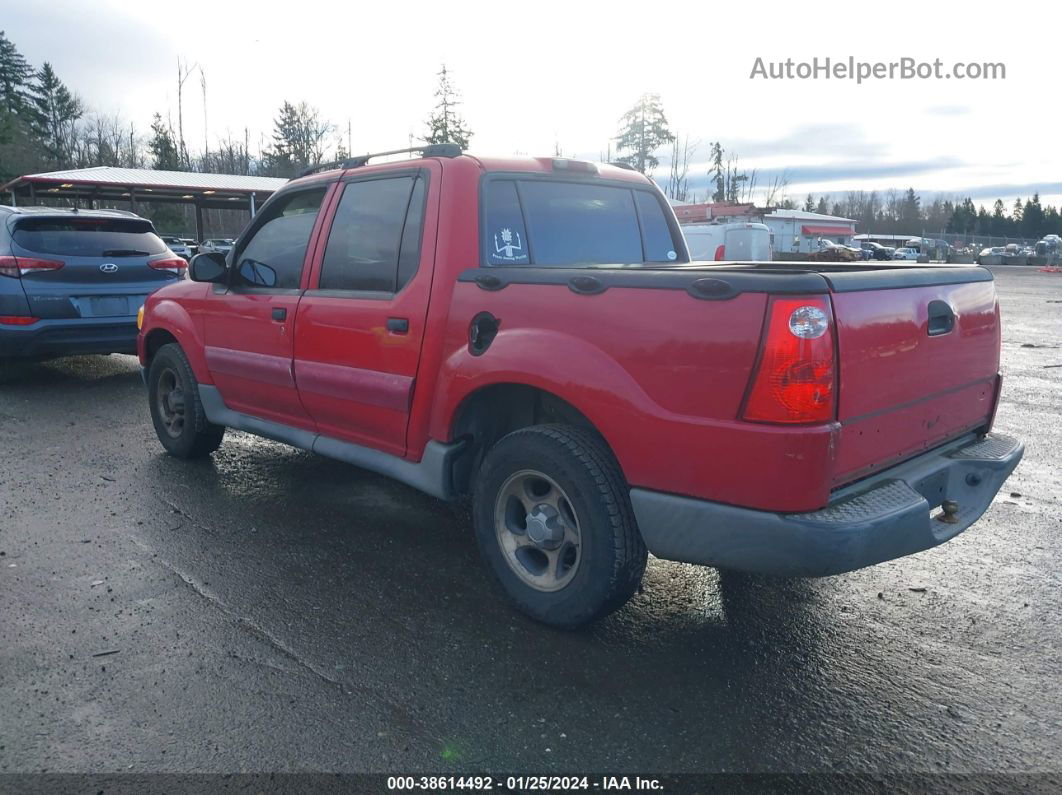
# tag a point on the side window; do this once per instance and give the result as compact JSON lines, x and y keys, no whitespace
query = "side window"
{"x":577,"y":224}
{"x":363,"y":251}
{"x":506,"y":236}
{"x":274,"y":255}
{"x":409,"y":253}
{"x":557,"y":223}
{"x":659,"y":247}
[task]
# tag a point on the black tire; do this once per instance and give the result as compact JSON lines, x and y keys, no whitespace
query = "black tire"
{"x":193,"y":436}
{"x":611,"y":555}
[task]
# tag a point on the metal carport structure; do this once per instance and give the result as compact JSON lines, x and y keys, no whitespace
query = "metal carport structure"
{"x":88,"y":186}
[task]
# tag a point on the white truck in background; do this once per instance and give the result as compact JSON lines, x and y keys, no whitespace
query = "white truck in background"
{"x":736,"y":241}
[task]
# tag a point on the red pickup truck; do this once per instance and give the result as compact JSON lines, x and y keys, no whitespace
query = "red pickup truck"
{"x":530,"y":332}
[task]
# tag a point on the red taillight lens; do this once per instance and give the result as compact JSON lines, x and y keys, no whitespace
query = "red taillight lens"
{"x":720,"y":253}
{"x":20,"y":266}
{"x":795,"y":378}
{"x":174,"y":265}
{"x":16,"y":320}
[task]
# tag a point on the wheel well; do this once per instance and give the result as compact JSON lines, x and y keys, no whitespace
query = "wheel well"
{"x":155,"y":340}
{"x":490,"y":413}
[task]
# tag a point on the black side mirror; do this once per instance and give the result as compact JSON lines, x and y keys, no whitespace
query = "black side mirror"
{"x":208,"y":267}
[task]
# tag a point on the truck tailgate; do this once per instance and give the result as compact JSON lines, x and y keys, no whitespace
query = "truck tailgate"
{"x":919,"y":362}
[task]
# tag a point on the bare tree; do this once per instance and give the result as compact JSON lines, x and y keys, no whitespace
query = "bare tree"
{"x":184,"y":71}
{"x":776,"y":192}
{"x":682,"y":152}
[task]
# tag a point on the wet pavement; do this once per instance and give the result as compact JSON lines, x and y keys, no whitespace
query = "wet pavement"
{"x":269,"y":609}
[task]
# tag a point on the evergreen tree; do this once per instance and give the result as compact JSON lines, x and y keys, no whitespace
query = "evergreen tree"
{"x":445,"y":124}
{"x":298,"y":139}
{"x":809,"y":204}
{"x":911,"y":213}
{"x":16,"y":76}
{"x":823,"y":207}
{"x":163,"y":147}
{"x":56,"y":112}
{"x":717,"y":173}
{"x":1032,"y":218}
{"x":643,"y":131}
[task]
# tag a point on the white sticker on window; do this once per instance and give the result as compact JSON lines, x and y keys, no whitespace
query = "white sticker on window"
{"x":508,"y":245}
{"x":672,"y":255}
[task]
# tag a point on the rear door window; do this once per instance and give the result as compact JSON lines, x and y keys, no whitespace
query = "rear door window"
{"x":564,"y":224}
{"x":366,"y":240}
{"x":88,"y":237}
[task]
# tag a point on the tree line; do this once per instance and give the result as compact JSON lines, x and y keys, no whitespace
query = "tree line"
{"x":45,"y":126}
{"x":644,"y":133}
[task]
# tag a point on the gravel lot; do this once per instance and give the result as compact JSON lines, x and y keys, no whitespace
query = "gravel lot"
{"x":269,"y":609}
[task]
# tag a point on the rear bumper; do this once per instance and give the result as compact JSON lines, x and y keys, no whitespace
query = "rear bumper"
{"x":68,"y":336}
{"x":883,"y":517}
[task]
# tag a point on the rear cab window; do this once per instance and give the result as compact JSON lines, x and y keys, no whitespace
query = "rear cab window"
{"x":88,"y":237}
{"x":555,"y":223}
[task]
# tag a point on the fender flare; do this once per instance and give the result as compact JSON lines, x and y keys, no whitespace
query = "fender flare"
{"x":552,"y":361}
{"x":172,"y":317}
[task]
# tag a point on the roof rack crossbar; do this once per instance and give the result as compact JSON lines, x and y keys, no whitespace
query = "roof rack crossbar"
{"x":427,"y":150}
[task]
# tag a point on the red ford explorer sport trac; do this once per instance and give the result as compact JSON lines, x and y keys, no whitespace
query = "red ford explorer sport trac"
{"x":530,"y":333}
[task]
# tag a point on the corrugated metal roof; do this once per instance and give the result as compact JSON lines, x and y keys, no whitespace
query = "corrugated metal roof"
{"x":801,"y":215}
{"x":149,"y":178}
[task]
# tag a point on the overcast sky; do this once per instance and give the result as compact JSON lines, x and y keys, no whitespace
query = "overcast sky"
{"x":536,"y":73}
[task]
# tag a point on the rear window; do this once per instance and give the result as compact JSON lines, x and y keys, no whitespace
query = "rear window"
{"x":88,"y":237}
{"x":562,"y":224}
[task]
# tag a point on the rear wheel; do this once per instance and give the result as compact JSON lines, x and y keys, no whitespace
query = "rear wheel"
{"x":176,"y":409}
{"x":554,"y":522}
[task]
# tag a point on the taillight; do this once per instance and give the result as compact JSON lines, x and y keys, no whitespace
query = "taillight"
{"x":173,"y":265}
{"x":795,"y":379}
{"x":20,"y":266}
{"x":720,"y":253}
{"x":17,"y":320}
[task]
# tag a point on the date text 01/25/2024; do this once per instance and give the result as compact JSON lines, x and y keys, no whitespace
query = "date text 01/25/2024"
{"x":523,"y":783}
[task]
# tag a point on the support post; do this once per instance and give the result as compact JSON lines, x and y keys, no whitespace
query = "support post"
{"x":198,"y":222}
{"x":254,"y":209}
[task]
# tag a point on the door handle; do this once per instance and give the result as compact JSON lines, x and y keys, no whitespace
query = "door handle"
{"x":398,"y":325}
{"x":941,"y":318}
{"x":280,"y":314}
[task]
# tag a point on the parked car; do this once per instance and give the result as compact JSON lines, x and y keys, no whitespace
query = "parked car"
{"x":1047,"y":251}
{"x":1014,"y":255}
{"x":71,"y":281}
{"x":177,"y":246}
{"x":193,"y":246}
{"x":875,"y":251}
{"x":834,"y":252}
{"x":732,"y":242}
{"x":905,"y":253}
{"x":215,"y":246}
{"x":529,"y":332}
{"x":990,"y":256}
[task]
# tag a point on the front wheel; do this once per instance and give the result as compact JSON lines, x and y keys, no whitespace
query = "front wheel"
{"x":176,"y":409}
{"x":554,"y":522}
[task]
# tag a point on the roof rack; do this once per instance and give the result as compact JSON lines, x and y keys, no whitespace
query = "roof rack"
{"x":623,"y":165}
{"x":427,"y":150}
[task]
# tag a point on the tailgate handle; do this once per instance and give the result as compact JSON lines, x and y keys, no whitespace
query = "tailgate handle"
{"x":941,"y":318}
